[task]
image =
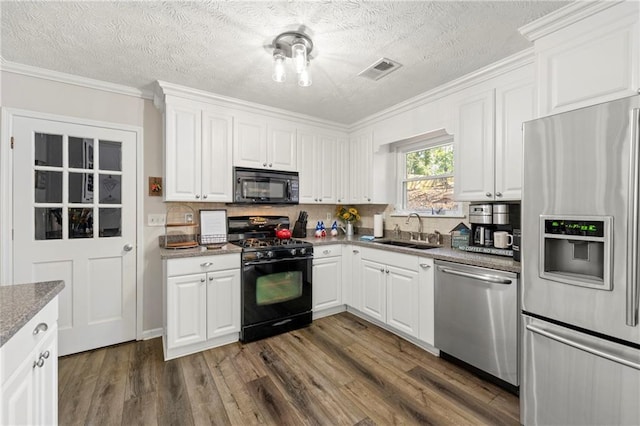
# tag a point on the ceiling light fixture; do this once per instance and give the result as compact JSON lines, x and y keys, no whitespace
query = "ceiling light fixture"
{"x":298,"y":47}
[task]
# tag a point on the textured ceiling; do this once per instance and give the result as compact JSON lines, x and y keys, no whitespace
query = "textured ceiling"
{"x":219,"y":46}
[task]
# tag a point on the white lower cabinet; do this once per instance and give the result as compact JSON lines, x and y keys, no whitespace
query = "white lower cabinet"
{"x":202,"y":303}
{"x":29,"y":371}
{"x":327,"y":279}
{"x":426,"y":299}
{"x":390,"y":286}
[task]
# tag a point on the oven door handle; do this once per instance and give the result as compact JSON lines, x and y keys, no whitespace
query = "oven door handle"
{"x":269,"y":261}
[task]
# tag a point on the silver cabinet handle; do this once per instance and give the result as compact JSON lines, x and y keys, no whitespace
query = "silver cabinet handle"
{"x":264,"y":164}
{"x":382,"y":270}
{"x":40,"y":327}
{"x":488,"y":278}
{"x":387,"y":271}
{"x":632,"y":250}
{"x":205,"y":196}
{"x":356,"y":251}
{"x":315,"y":199}
{"x":488,"y":194}
{"x":578,"y":345}
{"x":498,"y":194}
{"x":425,"y":265}
{"x":45,"y":354}
{"x":197,"y":195}
{"x":368,"y":199}
{"x":206,"y":264}
{"x":201,"y":280}
{"x":326,"y":251}
{"x":270,"y":165}
{"x":320,"y":199}
{"x":210,"y":278}
{"x":339,"y":200}
{"x":127,"y":247}
{"x":39,"y":363}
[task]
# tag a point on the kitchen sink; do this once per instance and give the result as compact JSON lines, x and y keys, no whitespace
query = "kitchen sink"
{"x":406,"y":244}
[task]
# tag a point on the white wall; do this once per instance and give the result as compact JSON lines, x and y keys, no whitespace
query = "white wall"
{"x":36,"y":94}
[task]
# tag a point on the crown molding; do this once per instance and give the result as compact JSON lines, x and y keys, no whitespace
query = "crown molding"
{"x":567,"y":15}
{"x":75,"y":80}
{"x":164,"y":88}
{"x":508,"y":64}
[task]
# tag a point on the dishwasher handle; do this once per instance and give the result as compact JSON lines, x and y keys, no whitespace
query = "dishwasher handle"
{"x":488,"y":278}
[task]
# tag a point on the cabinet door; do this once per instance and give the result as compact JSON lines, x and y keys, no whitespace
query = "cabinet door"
{"x":342,"y":171}
{"x":403,"y":302}
{"x":281,"y":146}
{"x":326,"y":167}
{"x":327,"y":283}
{"x":186,"y":310}
{"x":249,"y":142}
{"x":223,"y":303}
{"x":373,"y":289}
{"x":361,"y":148}
{"x":474,"y":156}
{"x":46,"y":380}
{"x":306,"y":166}
{"x":426,"y":298}
{"x":19,"y":395}
{"x":352,"y":282}
{"x":182,"y":157}
{"x":514,"y":105}
{"x":217,"y":160}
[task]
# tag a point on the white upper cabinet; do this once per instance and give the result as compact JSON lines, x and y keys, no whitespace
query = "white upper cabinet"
{"x":488,"y":135}
{"x":317,"y":165}
{"x":361,"y":173}
{"x":586,"y":53}
{"x":197,"y":152}
{"x":264,"y":143}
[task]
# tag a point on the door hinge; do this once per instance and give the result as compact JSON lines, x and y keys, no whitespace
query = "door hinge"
{"x":11,"y":142}
{"x":12,"y":235}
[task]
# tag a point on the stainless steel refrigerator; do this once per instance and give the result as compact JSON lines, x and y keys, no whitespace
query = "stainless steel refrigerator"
{"x":580,"y":232}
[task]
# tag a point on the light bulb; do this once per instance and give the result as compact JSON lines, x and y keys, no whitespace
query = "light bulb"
{"x":279,"y":73}
{"x":299,"y":55}
{"x":304,"y":78}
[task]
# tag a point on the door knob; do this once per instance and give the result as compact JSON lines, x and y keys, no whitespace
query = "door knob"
{"x":127,"y":247}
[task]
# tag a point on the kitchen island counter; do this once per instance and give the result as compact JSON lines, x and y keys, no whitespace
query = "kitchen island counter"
{"x":21,"y":302}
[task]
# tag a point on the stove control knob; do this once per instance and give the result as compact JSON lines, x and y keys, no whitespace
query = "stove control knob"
{"x":293,"y":252}
{"x":259,"y":255}
{"x":303,"y":251}
{"x":269,"y":254}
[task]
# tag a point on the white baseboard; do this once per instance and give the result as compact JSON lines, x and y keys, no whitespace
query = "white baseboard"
{"x":152,"y":334}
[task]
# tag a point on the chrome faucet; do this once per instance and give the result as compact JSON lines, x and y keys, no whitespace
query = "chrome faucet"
{"x":419,"y":225}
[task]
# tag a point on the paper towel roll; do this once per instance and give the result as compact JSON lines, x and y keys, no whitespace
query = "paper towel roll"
{"x":378,"y":226}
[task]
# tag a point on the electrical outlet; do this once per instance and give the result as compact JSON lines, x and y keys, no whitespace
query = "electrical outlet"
{"x":188,"y":218}
{"x":156,"y":219}
{"x":328,"y":219}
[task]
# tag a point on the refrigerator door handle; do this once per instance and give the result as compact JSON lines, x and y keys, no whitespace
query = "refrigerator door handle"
{"x":584,"y":347}
{"x":632,"y":249}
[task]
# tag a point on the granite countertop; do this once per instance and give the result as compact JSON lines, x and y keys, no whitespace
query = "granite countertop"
{"x":439,"y":253}
{"x":21,"y":302}
{"x":198,"y":251}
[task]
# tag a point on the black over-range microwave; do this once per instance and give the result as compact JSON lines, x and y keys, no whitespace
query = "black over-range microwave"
{"x":257,"y":186}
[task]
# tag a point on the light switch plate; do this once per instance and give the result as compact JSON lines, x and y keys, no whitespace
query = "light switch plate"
{"x":156,"y":219}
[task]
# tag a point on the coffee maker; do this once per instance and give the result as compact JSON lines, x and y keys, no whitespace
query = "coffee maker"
{"x":485,"y":219}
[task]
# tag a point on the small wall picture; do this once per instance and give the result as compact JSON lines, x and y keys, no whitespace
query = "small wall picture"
{"x":155,"y":186}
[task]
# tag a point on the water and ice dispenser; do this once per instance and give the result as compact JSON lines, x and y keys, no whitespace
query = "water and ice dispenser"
{"x":576,"y":250}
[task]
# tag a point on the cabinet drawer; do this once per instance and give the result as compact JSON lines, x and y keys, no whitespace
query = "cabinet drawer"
{"x":196,"y":265}
{"x":386,"y":257}
{"x":320,"y":252}
{"x":24,"y":341}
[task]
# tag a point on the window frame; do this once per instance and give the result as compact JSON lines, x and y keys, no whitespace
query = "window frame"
{"x":401,"y":151}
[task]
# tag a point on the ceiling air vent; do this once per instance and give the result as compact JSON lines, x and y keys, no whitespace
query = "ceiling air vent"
{"x":380,"y":68}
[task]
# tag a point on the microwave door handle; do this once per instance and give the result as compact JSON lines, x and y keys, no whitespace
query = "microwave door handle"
{"x":632,"y":247}
{"x":288,"y":190}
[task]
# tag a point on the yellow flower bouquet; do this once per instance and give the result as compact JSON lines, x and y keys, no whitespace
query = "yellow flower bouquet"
{"x":348,"y":214}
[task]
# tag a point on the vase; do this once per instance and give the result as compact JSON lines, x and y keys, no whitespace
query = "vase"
{"x":349,"y":229}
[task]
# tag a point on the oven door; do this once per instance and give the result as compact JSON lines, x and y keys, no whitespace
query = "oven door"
{"x":275,"y":289}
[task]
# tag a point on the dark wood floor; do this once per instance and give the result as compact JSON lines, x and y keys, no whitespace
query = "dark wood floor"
{"x":341,"y":370}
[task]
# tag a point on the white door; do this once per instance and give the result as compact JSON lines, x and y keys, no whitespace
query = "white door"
{"x":74,"y":218}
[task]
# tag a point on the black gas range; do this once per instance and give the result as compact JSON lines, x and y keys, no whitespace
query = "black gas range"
{"x":276,"y":277}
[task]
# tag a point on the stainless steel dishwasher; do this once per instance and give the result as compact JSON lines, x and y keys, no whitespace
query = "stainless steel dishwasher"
{"x":476,"y":318}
